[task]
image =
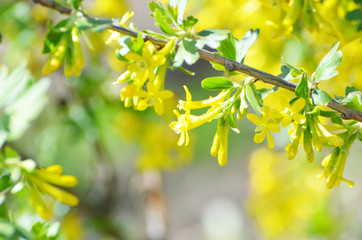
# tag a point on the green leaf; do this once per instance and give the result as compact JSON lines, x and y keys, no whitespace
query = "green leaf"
{"x":302,"y":90}
{"x":337,"y":120}
{"x":265,"y":91}
{"x":328,"y":114}
{"x":5,"y":182}
{"x":11,"y":153}
{"x":285,"y":72}
{"x":294,"y":72}
{"x":96,"y":25}
{"x":19,"y":101}
{"x":320,"y":97}
{"x":54,"y":34}
{"x":354,"y":15}
{"x":180,"y":5}
{"x":353,"y":100}
{"x":254,"y":98}
{"x":359,"y":135}
{"x":27,"y":107}
{"x":164,"y":17}
{"x":162,"y":23}
{"x":216,"y":83}
{"x":227,"y":47}
{"x":46,"y":231}
{"x":211,"y":38}
{"x":189,"y":22}
{"x":235,"y":49}
{"x":232,"y":123}
{"x":245,"y":43}
{"x":187,"y":52}
{"x":128,"y":44}
{"x":331,"y":60}
{"x":76,"y":3}
{"x":13,"y":84}
{"x":349,"y":89}
{"x":1,"y":37}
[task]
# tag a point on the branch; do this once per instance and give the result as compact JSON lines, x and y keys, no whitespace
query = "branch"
{"x":346,"y":113}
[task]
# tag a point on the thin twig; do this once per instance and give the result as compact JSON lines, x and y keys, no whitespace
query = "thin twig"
{"x":346,"y":113}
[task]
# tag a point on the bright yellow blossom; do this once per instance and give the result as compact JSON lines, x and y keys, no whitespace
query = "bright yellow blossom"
{"x":47,"y":181}
{"x":115,"y":35}
{"x":189,"y":104}
{"x":153,"y":97}
{"x":143,"y":66}
{"x":291,"y":113}
{"x":220,"y":142}
{"x":187,"y":122}
{"x":264,"y":127}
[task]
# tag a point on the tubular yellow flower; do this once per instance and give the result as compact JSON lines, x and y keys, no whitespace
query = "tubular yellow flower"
{"x":334,"y":164}
{"x":189,"y":104}
{"x":53,"y":176}
{"x":181,"y":127}
{"x":317,"y":142}
{"x":38,"y":203}
{"x":77,"y":55}
{"x":57,"y":193}
{"x":74,"y":57}
{"x":329,"y":162}
{"x":307,"y":140}
{"x":57,"y":56}
{"x":216,"y":141}
{"x":335,"y":177}
{"x":327,"y":136}
{"x":292,"y":148}
{"x":264,"y":127}
{"x":115,"y":35}
{"x":46,"y":181}
{"x":223,"y":151}
{"x":187,"y":122}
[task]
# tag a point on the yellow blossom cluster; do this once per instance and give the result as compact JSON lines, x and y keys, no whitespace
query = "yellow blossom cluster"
{"x":146,"y":70}
{"x":39,"y":182}
{"x":67,"y":49}
{"x":187,"y":121}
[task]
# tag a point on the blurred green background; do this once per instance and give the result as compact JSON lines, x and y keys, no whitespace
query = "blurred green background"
{"x":135,"y":182}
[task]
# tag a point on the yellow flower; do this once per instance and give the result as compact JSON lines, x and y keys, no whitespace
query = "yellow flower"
{"x":295,"y":136}
{"x":57,"y":56}
{"x":115,"y":35}
{"x":153,"y":97}
{"x":75,"y":59}
{"x":264,"y":127}
{"x":144,"y":66}
{"x":47,"y":181}
{"x":189,"y":104}
{"x":219,"y":144}
{"x":334,"y":166}
{"x":291,"y":113}
{"x":187,"y":122}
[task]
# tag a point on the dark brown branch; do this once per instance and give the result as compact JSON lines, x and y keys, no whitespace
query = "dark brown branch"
{"x":55,"y":6}
{"x":346,"y":113}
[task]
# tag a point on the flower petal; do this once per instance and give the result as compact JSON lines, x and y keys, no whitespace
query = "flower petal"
{"x":270,"y":140}
{"x":254,"y":119}
{"x":259,"y":137}
{"x":273,"y":127}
